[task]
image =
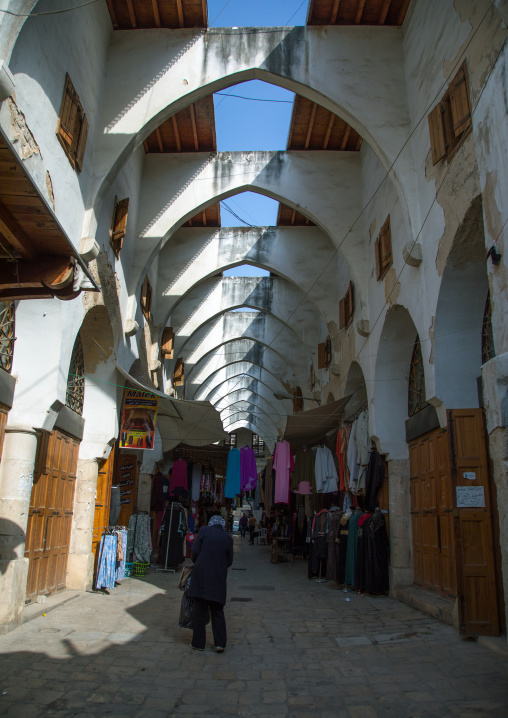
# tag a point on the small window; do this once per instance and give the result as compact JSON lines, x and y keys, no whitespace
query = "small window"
{"x":167,"y":343}
{"x":416,"y":390}
{"x":146,"y":298}
{"x":7,"y":337}
{"x":297,"y":400}
{"x":258,"y":444}
{"x":230,"y":440}
{"x":450,"y":120}
{"x":383,"y":249}
{"x":72,"y":127}
{"x":178,"y":374}
{"x":75,"y":397}
{"x":325,"y":353}
{"x":488,"y":350}
{"x":346,"y":308}
{"x":119,"y":224}
{"x":312,"y":378}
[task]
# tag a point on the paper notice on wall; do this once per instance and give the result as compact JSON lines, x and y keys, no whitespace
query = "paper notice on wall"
{"x":470,"y":497}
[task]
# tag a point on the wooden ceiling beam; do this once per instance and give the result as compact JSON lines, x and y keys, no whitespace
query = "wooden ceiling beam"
{"x":359,"y":12}
{"x":345,"y":138}
{"x":329,"y":130}
{"x":159,"y":139}
{"x":384,"y":12}
{"x":293,"y":215}
{"x":403,"y":11}
{"x":145,"y":145}
{"x":311,"y":125}
{"x":335,"y":10}
{"x":204,"y":8}
{"x":132,"y":14}
{"x":14,"y":234}
{"x":112,"y":14}
{"x":180,"y":12}
{"x":156,"y":13}
{"x":177,"y":134}
{"x":204,"y":218}
{"x":293,"y":116}
{"x":194,"y":128}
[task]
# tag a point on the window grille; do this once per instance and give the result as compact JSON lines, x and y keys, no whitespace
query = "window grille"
{"x":258,"y":444}
{"x":488,"y":350}
{"x":7,"y":337}
{"x":231,"y":440}
{"x":416,"y":397}
{"x":76,"y":379}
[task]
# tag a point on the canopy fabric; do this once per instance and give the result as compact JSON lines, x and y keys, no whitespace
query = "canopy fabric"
{"x":196,"y":423}
{"x":311,"y":426}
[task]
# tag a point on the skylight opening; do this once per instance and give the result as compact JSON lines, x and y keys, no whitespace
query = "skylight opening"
{"x":249,"y":209}
{"x":246,"y":270}
{"x":262,"y":13}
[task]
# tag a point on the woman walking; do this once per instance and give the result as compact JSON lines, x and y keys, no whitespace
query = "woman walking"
{"x":212,"y":553}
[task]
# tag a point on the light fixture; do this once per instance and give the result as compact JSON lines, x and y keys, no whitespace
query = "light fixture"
{"x":284,"y":395}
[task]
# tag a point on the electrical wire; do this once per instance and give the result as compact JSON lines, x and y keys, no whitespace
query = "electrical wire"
{"x":235,"y":215}
{"x":254,"y":99}
{"x":49,"y":12}
{"x":295,"y":12}
{"x":220,"y":13}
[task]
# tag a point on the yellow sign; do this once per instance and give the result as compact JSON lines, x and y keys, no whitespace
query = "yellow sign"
{"x":138,"y":419}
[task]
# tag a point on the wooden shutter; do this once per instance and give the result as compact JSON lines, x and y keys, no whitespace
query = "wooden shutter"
{"x":437,"y":134}
{"x":459,"y":102}
{"x":328,"y":352}
{"x":80,"y":149}
{"x":297,"y":401}
{"x":178,"y":374}
{"x":119,"y":225}
{"x":342,"y":313}
{"x":321,"y":356}
{"x":69,"y":120}
{"x":146,"y":297}
{"x":167,"y":343}
{"x":349,"y":304}
{"x":384,"y":249}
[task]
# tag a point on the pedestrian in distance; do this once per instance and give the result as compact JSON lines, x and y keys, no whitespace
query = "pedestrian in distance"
{"x":252,"y":528}
{"x":243,"y":525}
{"x":212,"y":554}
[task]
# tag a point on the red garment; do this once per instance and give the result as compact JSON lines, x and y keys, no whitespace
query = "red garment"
{"x":178,"y":476}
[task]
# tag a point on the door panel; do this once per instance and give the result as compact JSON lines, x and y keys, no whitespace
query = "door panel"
{"x":50,"y":513}
{"x":477,"y":584}
{"x":102,"y":502}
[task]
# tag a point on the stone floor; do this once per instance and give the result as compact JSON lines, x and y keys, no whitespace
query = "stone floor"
{"x":296,"y":648}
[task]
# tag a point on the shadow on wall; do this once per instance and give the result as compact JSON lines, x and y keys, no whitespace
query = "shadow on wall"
{"x":12,"y":543}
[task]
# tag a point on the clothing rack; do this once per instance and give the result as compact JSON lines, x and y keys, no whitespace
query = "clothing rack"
{"x":169,"y":570}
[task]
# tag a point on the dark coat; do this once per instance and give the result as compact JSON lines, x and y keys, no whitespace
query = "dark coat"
{"x":212,"y":553}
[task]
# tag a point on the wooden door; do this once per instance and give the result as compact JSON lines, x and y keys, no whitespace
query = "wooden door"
{"x":50,"y":514}
{"x":432,"y":514}
{"x":126,"y":478}
{"x":102,"y":502}
{"x":477,"y":584}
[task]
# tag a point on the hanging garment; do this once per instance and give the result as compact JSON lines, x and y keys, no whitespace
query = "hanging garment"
{"x":342,"y":553}
{"x":333,"y":538}
{"x":175,"y":527}
{"x":197,"y":470}
{"x":326,"y":473}
{"x":115,"y":506}
{"x":248,"y":469}
{"x":352,"y":460}
{"x":362,"y":447}
{"x":107,"y":562}
{"x":160,"y":489}
{"x":374,"y":479}
{"x":362,"y":561}
{"x":340,"y":457}
{"x":120,"y":570}
{"x":304,"y":470}
{"x":283,"y":465}
{"x":139,"y":540}
{"x":178,"y":479}
{"x":378,"y":549}
{"x":352,"y":547}
{"x":232,"y":474}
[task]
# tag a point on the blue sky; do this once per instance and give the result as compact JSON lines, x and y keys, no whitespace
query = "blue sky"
{"x":259,"y":123}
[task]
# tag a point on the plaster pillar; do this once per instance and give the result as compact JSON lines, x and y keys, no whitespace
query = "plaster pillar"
{"x":16,"y":479}
{"x":80,"y":559}
{"x":495,"y":399}
{"x":401,"y":563}
{"x":144,"y":491}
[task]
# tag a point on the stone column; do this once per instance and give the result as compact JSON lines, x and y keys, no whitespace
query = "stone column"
{"x":495,"y":399}
{"x":16,"y":479}
{"x":401,"y":562}
{"x":80,"y":560}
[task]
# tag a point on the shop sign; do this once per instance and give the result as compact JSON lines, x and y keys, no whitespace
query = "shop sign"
{"x":139,"y":417}
{"x":470,"y":497}
{"x":470,"y":475}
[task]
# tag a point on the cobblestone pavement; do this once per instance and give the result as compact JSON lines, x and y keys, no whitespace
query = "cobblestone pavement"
{"x":296,"y":648}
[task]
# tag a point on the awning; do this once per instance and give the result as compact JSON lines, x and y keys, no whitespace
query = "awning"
{"x":37,"y":259}
{"x":311,"y":426}
{"x":196,"y":423}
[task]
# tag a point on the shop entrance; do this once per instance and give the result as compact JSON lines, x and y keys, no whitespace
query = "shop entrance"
{"x":50,"y":514}
{"x":452,"y":516}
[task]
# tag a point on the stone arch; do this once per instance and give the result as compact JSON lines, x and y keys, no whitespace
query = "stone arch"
{"x":391,"y":382}
{"x":459,"y":315}
{"x":102,"y":394}
{"x":355,"y":385}
{"x":250,"y":383}
{"x":230,"y":373}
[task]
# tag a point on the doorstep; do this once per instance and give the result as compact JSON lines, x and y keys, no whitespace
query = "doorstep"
{"x":436,"y":606}
{"x":34,"y":610}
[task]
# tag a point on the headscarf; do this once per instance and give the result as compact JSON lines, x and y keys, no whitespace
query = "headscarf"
{"x":217,"y":521}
